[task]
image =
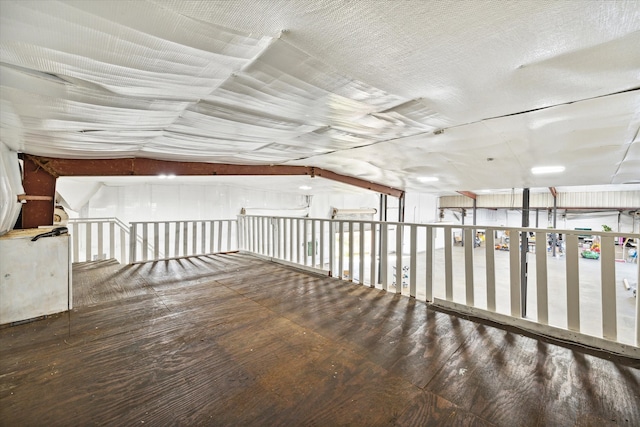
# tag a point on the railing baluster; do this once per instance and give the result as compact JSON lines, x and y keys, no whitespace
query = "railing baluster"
{"x":608,"y":285}
{"x":100,"y":231}
{"x":361,"y":252}
{"x":279,"y":239}
{"x":123,"y":246}
{"x":514,"y":272}
{"x":541,"y":277}
{"x":429,"y":263}
{"x":212,"y":229}
{"x":399,"y":272}
{"x":313,"y":243}
{"x":298,"y":241}
{"x":194,"y":238}
{"x":384,"y":255}
{"x":489,"y":242}
{"x":341,"y":249}
{"x":332,"y":245}
{"x":133,"y":241}
{"x":374,"y":264}
{"x":351,"y":272}
{"x":286,"y":242}
{"x":305,"y":245}
{"x":167,"y":238}
{"x":112,"y":240}
{"x":145,"y":241}
{"x":156,"y":241}
{"x":268,"y":227}
{"x":469,"y":243}
{"x":448,"y":264}
{"x":176,"y":238}
{"x":321,"y":253}
{"x":203,"y":237}
{"x":88,"y":248}
{"x":76,"y":242}
{"x":573,"y":282}
{"x":220,"y":236}
{"x":185,"y":238}
{"x":413,"y":259}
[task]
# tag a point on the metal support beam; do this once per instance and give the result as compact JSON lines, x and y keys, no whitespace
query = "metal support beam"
{"x":469,"y":194}
{"x":554,"y":237}
{"x":523,"y":253}
{"x":475,"y":210}
{"x":401,"y":208}
{"x":152,"y":167}
{"x":40,"y":186}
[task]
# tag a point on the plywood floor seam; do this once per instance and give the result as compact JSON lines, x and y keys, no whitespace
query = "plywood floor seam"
{"x":235,"y":340}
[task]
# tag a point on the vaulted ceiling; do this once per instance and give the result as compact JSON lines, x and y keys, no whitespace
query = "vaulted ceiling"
{"x":473,"y":93}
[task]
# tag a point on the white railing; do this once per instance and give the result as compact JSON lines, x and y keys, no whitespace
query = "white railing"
{"x":567,"y":296}
{"x":99,"y":238}
{"x":157,"y":240}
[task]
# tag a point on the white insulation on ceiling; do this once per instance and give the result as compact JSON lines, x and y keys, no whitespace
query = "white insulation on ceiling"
{"x":384,"y":91}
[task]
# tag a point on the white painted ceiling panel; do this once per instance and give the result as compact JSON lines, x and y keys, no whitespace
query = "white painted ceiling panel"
{"x":382,"y":90}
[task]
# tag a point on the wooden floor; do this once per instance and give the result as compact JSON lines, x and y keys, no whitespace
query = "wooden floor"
{"x":236,"y":341}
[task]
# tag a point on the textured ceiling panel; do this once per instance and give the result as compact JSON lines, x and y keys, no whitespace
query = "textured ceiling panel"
{"x":383,"y":90}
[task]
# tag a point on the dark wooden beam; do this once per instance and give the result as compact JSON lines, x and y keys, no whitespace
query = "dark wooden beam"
{"x":554,"y":192}
{"x":469,"y":194}
{"x":40,"y":185}
{"x":151,"y":167}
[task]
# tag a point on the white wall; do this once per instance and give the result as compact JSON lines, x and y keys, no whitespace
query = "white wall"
{"x":10,"y":187}
{"x":159,"y":202}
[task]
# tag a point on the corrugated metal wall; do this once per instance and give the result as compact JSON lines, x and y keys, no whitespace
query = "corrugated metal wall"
{"x":602,"y":199}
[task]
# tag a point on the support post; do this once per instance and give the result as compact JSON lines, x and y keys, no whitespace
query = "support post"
{"x":523,"y":253}
{"x":38,"y":182}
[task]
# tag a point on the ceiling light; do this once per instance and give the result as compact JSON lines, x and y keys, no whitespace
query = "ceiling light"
{"x":539,"y":170}
{"x":427,"y":178}
{"x":163,"y":176}
{"x":305,"y":187}
{"x":171,"y":176}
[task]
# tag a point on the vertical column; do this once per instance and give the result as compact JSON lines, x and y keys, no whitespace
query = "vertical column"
{"x":38,"y":182}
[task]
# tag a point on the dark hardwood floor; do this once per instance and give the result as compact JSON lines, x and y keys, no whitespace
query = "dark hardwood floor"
{"x":233,"y":340}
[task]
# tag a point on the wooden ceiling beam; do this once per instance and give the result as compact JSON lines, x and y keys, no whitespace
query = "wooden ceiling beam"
{"x":151,"y":167}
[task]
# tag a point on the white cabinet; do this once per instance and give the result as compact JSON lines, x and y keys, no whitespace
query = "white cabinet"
{"x":35,"y":277}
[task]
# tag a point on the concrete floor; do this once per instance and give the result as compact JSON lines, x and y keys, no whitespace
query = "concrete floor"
{"x":589,"y":276}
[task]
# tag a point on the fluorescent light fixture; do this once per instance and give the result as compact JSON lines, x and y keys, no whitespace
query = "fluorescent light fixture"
{"x":485,"y":191}
{"x":305,"y":187}
{"x":427,"y":178}
{"x":539,"y":170}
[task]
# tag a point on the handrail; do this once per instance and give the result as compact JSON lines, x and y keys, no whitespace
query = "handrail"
{"x":422,"y":261}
